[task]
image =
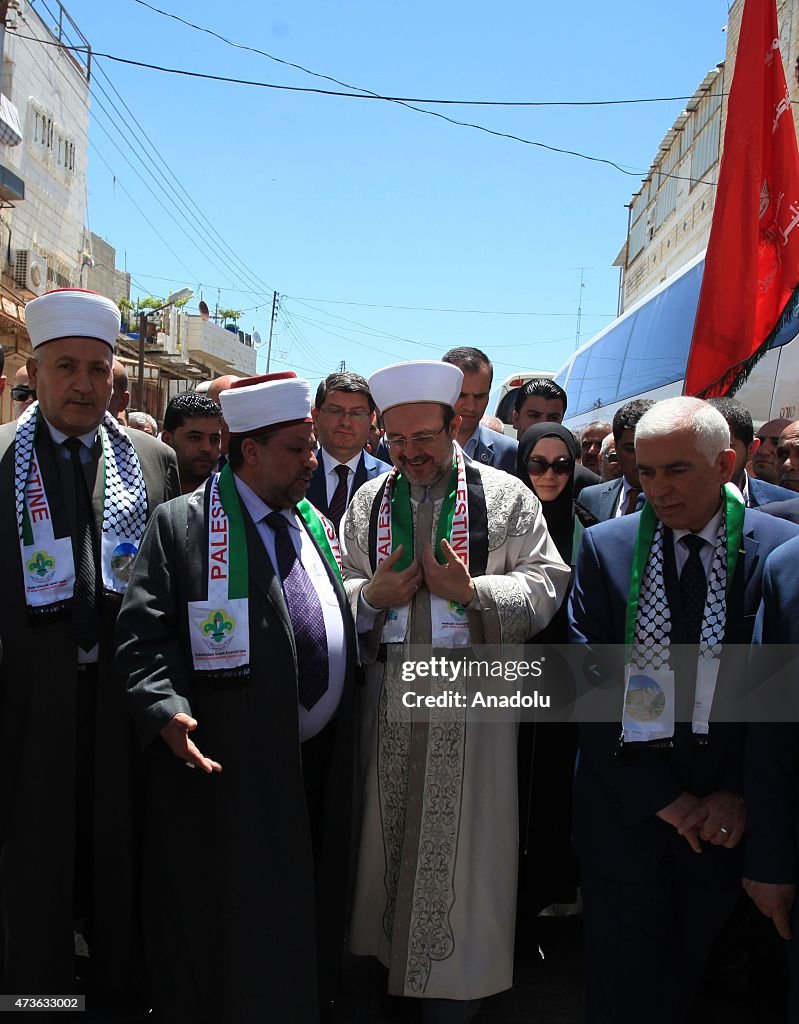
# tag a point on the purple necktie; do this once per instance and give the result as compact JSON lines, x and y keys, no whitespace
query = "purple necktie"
{"x":305,"y":612}
{"x":338,"y":503}
{"x":85,"y":625}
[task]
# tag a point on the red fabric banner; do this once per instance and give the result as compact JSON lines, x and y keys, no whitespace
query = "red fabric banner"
{"x":752,"y":261}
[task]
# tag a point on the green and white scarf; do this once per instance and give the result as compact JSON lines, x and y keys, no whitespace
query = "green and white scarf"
{"x":219,"y":627}
{"x":649,"y":678}
{"x":48,"y":567}
{"x":450,"y":624}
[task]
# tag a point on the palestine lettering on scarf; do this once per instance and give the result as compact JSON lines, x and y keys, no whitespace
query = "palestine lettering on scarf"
{"x":37,"y":500}
{"x":459,"y":535}
{"x":218,"y":537}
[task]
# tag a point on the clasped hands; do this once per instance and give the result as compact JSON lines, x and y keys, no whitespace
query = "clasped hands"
{"x":718,"y":818}
{"x":450,"y":581}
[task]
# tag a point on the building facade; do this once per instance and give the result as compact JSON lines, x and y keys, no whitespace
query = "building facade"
{"x":669,"y":218}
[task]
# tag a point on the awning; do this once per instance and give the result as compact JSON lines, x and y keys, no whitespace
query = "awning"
{"x":10,"y":128}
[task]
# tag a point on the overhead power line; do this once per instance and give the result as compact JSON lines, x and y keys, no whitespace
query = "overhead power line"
{"x":399,"y":100}
{"x":362,"y":93}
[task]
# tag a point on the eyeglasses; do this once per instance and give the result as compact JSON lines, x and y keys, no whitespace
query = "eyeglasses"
{"x":21,"y":393}
{"x":420,"y":440}
{"x":336,"y":412}
{"x":537,"y":466}
{"x":610,"y":457}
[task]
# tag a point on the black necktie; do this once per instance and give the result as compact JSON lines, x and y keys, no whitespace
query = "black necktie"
{"x":307,"y":617}
{"x":85,"y":628}
{"x":338,"y":503}
{"x":693,"y":587}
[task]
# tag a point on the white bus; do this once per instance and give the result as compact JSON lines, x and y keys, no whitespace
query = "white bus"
{"x":644,"y":354}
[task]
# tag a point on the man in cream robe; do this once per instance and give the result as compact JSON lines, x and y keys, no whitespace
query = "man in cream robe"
{"x":435,"y":891}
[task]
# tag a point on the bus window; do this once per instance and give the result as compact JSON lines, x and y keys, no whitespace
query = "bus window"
{"x":661,"y":337}
{"x":605,"y":362}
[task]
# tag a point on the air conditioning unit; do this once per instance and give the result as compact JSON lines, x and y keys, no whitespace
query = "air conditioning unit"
{"x":30,"y":271}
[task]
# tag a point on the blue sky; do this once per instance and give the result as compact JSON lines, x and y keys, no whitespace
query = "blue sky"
{"x":376,"y":206}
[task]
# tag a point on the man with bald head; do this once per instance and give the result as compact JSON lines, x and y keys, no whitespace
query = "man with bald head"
{"x":75,"y":494}
{"x":764,"y":460}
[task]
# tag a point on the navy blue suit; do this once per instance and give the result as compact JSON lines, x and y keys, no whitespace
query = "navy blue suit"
{"x":497,"y":450}
{"x":762,"y":492}
{"x":368,"y":468}
{"x":652,"y":907}
{"x":771,"y":766}
{"x":602,"y":499}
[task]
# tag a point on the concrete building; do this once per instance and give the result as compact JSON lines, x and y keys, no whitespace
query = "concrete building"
{"x":100,"y":271}
{"x":670,"y":216}
{"x":44,"y":122}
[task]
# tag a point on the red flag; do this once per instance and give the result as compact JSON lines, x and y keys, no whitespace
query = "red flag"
{"x":752,"y":261}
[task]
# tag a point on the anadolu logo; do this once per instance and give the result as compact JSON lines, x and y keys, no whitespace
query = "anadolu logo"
{"x":42,"y":567}
{"x":218,"y":629}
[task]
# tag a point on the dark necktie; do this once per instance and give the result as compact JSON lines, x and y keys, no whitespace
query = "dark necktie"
{"x":693,"y":587}
{"x":85,"y":628}
{"x":305,"y":612}
{"x":632,"y":500}
{"x":338,"y":503}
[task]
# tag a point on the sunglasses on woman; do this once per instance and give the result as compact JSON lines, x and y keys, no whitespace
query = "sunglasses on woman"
{"x":536,"y":466}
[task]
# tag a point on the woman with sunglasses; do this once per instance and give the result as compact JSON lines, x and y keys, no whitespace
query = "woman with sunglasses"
{"x":546,"y":752}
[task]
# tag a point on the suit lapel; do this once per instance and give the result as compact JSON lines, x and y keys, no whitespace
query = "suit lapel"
{"x":317,"y":490}
{"x":609,"y":499}
{"x":361,"y":474}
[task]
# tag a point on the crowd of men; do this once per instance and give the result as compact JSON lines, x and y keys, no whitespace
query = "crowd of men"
{"x":208,"y":787}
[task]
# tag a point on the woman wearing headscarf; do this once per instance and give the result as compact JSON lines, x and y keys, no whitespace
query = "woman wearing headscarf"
{"x":547,"y":867}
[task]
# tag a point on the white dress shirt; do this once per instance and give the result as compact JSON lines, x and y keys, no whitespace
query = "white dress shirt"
{"x":314,"y":720}
{"x":331,"y":476}
{"x":709,"y":533}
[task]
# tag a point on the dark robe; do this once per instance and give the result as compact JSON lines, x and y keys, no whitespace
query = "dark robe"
{"x":244,"y":883}
{"x":69,"y":789}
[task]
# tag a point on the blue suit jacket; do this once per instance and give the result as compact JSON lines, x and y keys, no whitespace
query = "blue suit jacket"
{"x":496,"y":450}
{"x":784,"y":509}
{"x":602,"y":499}
{"x":761,"y":492}
{"x":617,"y":794}
{"x":368,"y":468}
{"x":771,"y":768}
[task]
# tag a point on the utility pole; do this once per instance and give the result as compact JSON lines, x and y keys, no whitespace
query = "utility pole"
{"x":342,"y":367}
{"x":275,"y":297}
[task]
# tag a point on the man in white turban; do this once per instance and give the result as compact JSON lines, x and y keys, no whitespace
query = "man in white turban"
{"x":75,"y":495}
{"x":446,"y":553}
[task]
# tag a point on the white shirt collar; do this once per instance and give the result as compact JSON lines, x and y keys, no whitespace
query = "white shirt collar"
{"x":59,"y":437}
{"x":709,"y":531}
{"x":330,"y":463}
{"x":258,"y":508}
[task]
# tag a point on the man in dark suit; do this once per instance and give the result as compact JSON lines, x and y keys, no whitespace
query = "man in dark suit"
{"x":658,"y":813}
{"x":745,"y":445}
{"x":69,"y":828}
{"x":481,"y":444}
{"x":238,"y":646}
{"x":620,"y":497}
{"x":342,"y":417}
{"x":771,"y":768}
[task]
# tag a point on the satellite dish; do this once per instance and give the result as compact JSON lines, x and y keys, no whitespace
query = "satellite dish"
{"x":256,"y":339}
